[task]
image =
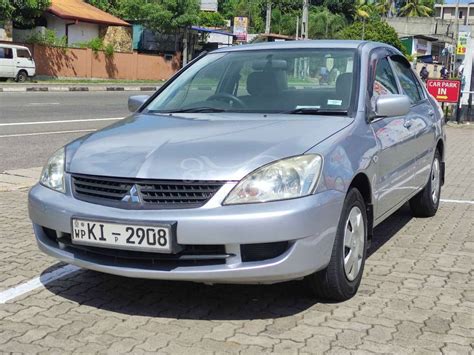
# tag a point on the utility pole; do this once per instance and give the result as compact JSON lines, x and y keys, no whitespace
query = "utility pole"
{"x":456,"y":38}
{"x":268,"y":20}
{"x":297,"y":27}
{"x":304,"y":22}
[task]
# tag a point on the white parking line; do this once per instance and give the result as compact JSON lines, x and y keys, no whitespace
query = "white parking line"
{"x":46,"y":133}
{"x":8,"y":124}
{"x":35,"y":283}
{"x":457,"y":201}
{"x":43,"y":103}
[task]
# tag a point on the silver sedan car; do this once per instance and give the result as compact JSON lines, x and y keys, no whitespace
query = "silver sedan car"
{"x":253,"y":164}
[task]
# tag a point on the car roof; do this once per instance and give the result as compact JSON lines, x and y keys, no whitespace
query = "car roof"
{"x":342,"y":44}
{"x":4,"y":45}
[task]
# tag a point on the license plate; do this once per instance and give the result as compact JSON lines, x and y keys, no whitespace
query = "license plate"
{"x":121,"y":236}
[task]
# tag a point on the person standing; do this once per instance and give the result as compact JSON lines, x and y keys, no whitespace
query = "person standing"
{"x":424,"y":73}
{"x":444,"y":72}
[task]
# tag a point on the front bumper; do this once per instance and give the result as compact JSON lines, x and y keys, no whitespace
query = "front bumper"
{"x":307,"y":224}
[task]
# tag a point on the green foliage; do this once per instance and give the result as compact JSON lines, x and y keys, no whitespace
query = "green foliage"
{"x":160,"y":15}
{"x":48,"y":38}
{"x":6,"y":10}
{"x":284,"y":23}
{"x":109,"y":50}
{"x":211,"y":19}
{"x":324,"y":24}
{"x":22,"y":12}
{"x":97,"y":44}
{"x":372,"y":30}
{"x":416,"y":8}
{"x":346,"y":8}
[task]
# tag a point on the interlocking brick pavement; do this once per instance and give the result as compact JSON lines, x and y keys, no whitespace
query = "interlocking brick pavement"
{"x":417,"y":295}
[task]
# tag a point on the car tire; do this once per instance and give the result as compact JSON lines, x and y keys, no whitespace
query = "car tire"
{"x":22,"y":76}
{"x":339,"y":282}
{"x":426,"y":202}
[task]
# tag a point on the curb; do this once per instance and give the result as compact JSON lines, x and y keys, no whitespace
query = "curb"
{"x":77,"y":88}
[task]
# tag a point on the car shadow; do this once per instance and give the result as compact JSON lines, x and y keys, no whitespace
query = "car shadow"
{"x":187,"y":300}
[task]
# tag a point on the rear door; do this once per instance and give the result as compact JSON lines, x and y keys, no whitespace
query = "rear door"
{"x":395,"y":163}
{"x":420,"y":120}
{"x":7,"y":65}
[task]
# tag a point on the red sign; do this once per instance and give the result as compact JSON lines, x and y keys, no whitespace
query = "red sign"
{"x":444,"y":90}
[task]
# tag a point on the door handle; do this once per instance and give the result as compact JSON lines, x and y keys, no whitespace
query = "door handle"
{"x":407,"y":124}
{"x":431,"y":112}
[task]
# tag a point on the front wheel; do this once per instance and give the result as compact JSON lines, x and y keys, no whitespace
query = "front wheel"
{"x":341,"y":279}
{"x":426,"y":202}
{"x":21,"y":76}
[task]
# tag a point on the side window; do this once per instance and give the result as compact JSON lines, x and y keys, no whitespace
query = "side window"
{"x":6,"y":53}
{"x":409,"y":84}
{"x":22,"y":53}
{"x":384,"y":82}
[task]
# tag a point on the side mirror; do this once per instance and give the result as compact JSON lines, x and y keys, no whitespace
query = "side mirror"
{"x":136,"y":101}
{"x":392,"y":105}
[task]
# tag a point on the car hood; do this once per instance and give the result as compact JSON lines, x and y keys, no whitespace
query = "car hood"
{"x":197,"y":146}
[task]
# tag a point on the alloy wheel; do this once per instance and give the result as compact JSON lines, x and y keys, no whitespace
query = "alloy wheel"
{"x":354,"y":243}
{"x":435,"y":181}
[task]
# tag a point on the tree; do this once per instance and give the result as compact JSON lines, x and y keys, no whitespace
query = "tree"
{"x":22,"y":12}
{"x":375,"y":30}
{"x":415,"y":8}
{"x":346,"y":8}
{"x":6,"y":10}
{"x":211,"y":19}
{"x":386,"y":7}
{"x":324,"y":24}
{"x":165,"y":16}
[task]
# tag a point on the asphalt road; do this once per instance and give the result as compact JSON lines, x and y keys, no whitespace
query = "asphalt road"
{"x":34,"y":125}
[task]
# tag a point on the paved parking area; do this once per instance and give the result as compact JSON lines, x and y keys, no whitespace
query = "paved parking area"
{"x":417,"y":294}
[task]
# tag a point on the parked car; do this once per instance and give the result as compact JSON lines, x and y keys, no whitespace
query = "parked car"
{"x":16,"y":62}
{"x":246,"y":168}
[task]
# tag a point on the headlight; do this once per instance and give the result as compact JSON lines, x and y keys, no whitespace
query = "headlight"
{"x":52,"y":175}
{"x":280,"y":180}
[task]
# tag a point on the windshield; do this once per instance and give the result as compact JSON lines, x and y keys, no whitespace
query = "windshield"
{"x":263,"y":81}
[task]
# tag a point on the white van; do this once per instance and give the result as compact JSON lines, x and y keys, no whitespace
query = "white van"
{"x":16,"y":62}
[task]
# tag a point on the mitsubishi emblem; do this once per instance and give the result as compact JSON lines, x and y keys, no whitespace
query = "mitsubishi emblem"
{"x":132,"y":196}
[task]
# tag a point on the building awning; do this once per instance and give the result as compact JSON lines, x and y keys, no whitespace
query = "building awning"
{"x":209,"y":30}
{"x":78,"y":10}
{"x":426,"y":38}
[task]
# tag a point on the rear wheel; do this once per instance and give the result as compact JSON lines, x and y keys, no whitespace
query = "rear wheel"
{"x":426,"y":202}
{"x":21,"y":76}
{"x":341,"y":279}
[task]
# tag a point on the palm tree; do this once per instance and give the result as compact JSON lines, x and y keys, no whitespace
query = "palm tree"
{"x":385,"y":7}
{"x":415,"y":8}
{"x":362,"y":9}
{"x":324,"y":24}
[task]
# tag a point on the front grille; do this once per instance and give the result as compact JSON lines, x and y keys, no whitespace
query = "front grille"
{"x":141,"y":193}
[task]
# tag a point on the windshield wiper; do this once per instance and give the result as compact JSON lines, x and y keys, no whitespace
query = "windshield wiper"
{"x":314,"y":111}
{"x":191,"y":109}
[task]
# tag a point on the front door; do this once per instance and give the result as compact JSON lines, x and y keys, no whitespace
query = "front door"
{"x":23,"y":59}
{"x":395,"y":161}
{"x":422,"y":118}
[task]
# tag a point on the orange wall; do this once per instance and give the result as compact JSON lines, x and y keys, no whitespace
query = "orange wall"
{"x":83,"y":63}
